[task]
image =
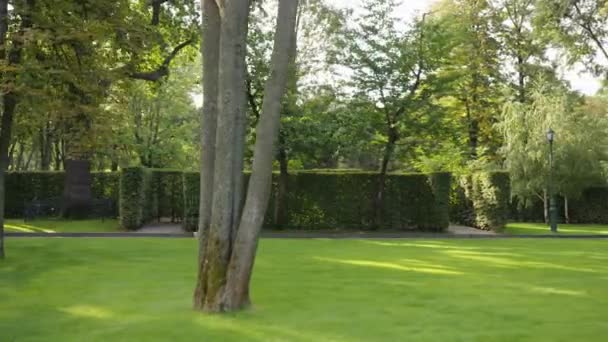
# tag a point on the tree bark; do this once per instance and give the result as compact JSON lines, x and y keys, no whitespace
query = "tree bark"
{"x":46,"y":145}
{"x":210,"y":51}
{"x":258,"y":193}
{"x":11,"y":97}
{"x":566,"y":209}
{"x":232,"y":89}
{"x":280,"y":216}
{"x":227,"y":264}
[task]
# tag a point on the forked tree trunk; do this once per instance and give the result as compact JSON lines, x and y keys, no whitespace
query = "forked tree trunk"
{"x":227,"y":261}
{"x":233,"y":37}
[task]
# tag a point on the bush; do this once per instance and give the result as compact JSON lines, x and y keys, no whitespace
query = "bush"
{"x":482,"y":200}
{"x":320,"y":200}
{"x":134,"y":183}
{"x":23,"y":187}
{"x":441,"y":183}
{"x":591,"y":207}
{"x":191,"y":186}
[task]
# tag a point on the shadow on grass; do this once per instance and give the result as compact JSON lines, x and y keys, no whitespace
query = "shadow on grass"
{"x":409,"y":267}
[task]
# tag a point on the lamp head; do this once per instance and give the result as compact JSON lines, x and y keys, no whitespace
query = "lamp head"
{"x":550,"y":135}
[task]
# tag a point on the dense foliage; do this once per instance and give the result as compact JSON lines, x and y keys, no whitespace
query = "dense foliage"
{"x":482,"y":200}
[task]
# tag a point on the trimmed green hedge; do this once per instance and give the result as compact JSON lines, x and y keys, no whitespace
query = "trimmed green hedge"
{"x":441,"y":183}
{"x":590,"y":208}
{"x":22,"y":187}
{"x":191,"y":196}
{"x":482,"y":200}
{"x":330,"y":200}
{"x":134,"y":182}
{"x":166,"y":198}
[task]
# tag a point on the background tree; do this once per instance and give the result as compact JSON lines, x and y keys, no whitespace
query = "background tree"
{"x":579,"y":146}
{"x":580,"y":27}
{"x":393,"y":74}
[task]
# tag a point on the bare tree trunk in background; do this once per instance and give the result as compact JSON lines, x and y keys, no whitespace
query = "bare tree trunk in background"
{"x":46,"y":144}
{"x":58,"y":158}
{"x":566,"y":210}
{"x":389,"y":148}
{"x":227,"y":260}
{"x":11,"y":97}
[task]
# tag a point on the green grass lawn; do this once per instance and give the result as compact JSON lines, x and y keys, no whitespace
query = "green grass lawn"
{"x":567,"y":229}
{"x":64,"y":226}
{"x":310,"y":290}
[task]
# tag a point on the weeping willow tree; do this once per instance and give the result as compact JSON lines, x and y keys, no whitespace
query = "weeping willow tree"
{"x":579,"y":147}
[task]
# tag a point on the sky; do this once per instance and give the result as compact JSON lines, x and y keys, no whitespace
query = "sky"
{"x":578,"y":78}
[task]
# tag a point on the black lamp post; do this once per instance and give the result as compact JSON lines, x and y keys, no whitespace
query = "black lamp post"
{"x":552,"y":204}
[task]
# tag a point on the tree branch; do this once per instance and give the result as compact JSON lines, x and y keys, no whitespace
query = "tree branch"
{"x":163,"y":70}
{"x":589,"y":30}
{"x":156,"y":6}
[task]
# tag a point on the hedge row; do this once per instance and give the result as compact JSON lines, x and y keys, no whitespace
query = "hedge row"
{"x":22,"y":187}
{"x":590,"y":207}
{"x":319,"y":200}
{"x":482,"y":200}
{"x":134,"y":185}
{"x":191,"y":196}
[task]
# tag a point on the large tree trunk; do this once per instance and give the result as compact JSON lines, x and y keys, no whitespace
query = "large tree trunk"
{"x":233,"y":32}
{"x":211,"y":55}
{"x":225,"y":271}
{"x":280,"y":217}
{"x":6,"y":121}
